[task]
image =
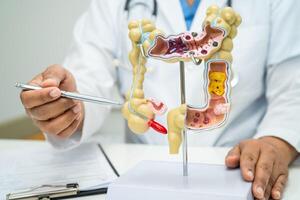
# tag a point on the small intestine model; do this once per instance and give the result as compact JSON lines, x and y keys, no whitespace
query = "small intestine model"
{"x":213,"y":46}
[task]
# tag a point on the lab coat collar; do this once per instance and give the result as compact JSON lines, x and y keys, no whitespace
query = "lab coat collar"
{"x":201,"y":12}
{"x":172,"y":11}
{"x":175,"y":15}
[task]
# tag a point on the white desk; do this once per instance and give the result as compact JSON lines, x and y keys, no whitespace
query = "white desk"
{"x":125,"y":156}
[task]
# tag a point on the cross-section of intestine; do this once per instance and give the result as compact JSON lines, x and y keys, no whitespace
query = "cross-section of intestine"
{"x":217,"y":95}
{"x":185,"y":45}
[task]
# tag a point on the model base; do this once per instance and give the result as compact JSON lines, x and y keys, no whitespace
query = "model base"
{"x":151,"y":180}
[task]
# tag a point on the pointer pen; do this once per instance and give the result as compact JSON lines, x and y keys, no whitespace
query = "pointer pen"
{"x":71,"y":95}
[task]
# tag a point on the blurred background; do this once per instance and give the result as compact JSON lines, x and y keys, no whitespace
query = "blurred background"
{"x":33,"y":35}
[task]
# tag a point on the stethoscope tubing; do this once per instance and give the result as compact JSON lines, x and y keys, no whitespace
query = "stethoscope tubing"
{"x":155,"y":6}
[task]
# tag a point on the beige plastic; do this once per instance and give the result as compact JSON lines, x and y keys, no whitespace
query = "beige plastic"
{"x":219,"y":26}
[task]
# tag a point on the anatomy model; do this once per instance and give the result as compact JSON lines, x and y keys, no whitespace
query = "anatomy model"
{"x":213,"y":46}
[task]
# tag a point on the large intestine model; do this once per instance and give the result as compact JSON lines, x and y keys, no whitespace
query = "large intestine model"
{"x":213,"y":46}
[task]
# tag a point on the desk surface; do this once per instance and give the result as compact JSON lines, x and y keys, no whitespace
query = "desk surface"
{"x":125,"y":156}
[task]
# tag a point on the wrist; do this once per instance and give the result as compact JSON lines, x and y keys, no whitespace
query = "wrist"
{"x":287,"y":151}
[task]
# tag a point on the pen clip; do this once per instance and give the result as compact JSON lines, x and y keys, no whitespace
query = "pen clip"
{"x":45,"y":192}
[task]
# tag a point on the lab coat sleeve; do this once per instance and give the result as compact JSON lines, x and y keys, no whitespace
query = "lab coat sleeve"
{"x":282,"y":118}
{"x":90,"y":60}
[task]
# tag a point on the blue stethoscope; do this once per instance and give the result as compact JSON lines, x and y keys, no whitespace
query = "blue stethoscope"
{"x":132,"y":3}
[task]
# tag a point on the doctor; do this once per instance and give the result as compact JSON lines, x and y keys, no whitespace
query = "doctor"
{"x":264,"y":122}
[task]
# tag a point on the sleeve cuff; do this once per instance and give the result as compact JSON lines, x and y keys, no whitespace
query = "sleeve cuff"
{"x":290,"y":136}
{"x":64,"y":144}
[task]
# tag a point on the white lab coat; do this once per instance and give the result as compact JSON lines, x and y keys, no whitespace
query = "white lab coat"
{"x":266,"y":54}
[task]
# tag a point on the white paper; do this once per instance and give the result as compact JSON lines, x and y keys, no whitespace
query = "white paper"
{"x":37,"y":165}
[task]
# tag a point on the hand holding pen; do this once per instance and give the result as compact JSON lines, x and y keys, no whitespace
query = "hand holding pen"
{"x":51,"y":113}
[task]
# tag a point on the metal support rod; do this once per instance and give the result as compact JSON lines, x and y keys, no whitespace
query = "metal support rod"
{"x":184,"y":135}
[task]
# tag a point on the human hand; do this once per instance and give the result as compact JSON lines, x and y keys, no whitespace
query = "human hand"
{"x":54,"y":115}
{"x":264,"y":162}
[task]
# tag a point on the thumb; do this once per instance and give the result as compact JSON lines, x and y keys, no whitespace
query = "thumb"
{"x":232,"y":159}
{"x":53,"y":76}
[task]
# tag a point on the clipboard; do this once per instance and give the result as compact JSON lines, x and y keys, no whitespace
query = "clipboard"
{"x":53,"y":192}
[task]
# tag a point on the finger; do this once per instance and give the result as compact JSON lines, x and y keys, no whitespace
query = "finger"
{"x":249,"y":157}
{"x":53,"y":76}
{"x":56,"y":125}
{"x":58,"y":76}
{"x":71,"y":129}
{"x":233,"y":157}
{"x":37,"y":80}
{"x":278,"y":187}
{"x":263,"y":171}
{"x":52,"y":109}
{"x":39,"y":97}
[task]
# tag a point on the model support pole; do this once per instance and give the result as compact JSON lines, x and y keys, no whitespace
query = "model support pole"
{"x":184,"y":135}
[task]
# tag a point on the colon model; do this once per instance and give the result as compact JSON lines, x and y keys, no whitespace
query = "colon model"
{"x":217,"y":72}
{"x":182,"y":46}
{"x":215,"y":112}
{"x":213,"y":45}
